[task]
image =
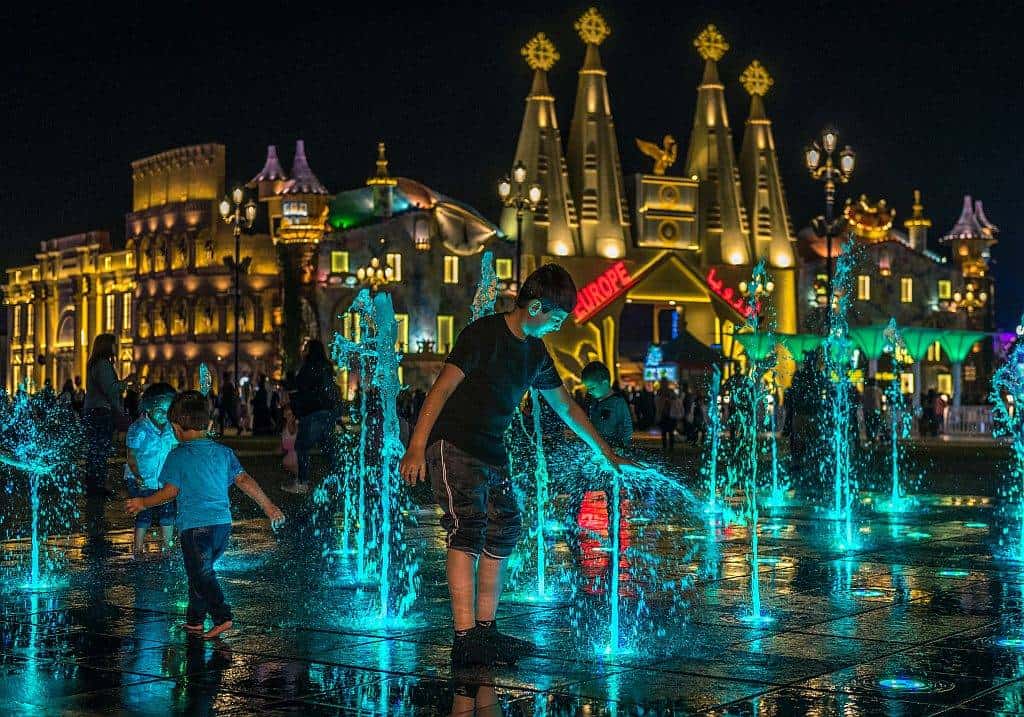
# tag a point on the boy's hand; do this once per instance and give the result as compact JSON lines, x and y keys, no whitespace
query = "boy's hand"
{"x":413,"y":467}
{"x":133,"y":506}
{"x":275,"y":515}
{"x":618,"y":463}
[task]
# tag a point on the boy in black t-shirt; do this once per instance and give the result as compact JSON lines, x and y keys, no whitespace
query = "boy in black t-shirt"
{"x":458,"y":442}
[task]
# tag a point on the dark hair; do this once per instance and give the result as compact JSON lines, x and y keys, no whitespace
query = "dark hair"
{"x":155,"y":392}
{"x":315,"y":352}
{"x":190,"y":410}
{"x":595,"y":371}
{"x":552,"y":285}
{"x":102,"y":348}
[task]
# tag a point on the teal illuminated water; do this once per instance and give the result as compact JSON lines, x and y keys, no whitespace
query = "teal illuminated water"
{"x":1007,"y":399}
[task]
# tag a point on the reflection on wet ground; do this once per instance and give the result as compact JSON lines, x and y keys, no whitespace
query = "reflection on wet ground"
{"x":921,"y":620}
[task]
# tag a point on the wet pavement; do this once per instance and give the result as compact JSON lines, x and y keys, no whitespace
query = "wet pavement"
{"x":923,"y":618}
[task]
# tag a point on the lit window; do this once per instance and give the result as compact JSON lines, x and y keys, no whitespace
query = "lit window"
{"x":503,"y":268}
{"x":30,"y":315}
{"x":35,"y":274}
{"x":126,"y":311}
{"x":339,"y":262}
{"x":906,"y":289}
{"x":350,"y":327}
{"x":129,"y":259}
{"x":945,"y":289}
{"x":718,"y":332}
{"x":907,"y":383}
{"x":445,"y":333}
{"x":108,"y":311}
{"x":935,"y":351}
{"x":17,"y":321}
{"x":451,"y":270}
{"x":944,"y":383}
{"x":821,"y":280}
{"x":401,"y":332}
{"x":17,"y":277}
{"x":107,"y":263}
{"x":970,"y":373}
{"x":864,"y":287}
{"x":395,"y":262}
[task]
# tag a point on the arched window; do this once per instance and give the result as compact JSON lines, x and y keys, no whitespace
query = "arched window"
{"x":160,"y":321}
{"x":179,"y":254}
{"x":66,"y":330}
{"x":179,"y":318}
{"x":206,"y":316}
{"x":246,"y":315}
{"x":145,"y":247}
{"x":160,"y":253}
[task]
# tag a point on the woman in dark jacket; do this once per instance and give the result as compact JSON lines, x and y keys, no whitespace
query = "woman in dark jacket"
{"x":315,"y":401}
{"x":102,"y":405}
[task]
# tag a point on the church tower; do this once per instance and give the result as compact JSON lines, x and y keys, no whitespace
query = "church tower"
{"x":552,"y":227}
{"x":772,"y":232}
{"x":712,"y":160}
{"x":595,"y":172}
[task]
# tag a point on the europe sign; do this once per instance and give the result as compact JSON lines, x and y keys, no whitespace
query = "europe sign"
{"x":612,"y":283}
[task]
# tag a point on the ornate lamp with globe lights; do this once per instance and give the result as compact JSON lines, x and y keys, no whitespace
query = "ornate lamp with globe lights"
{"x":237,"y":215}
{"x":831,"y":173}
{"x":515,"y":193}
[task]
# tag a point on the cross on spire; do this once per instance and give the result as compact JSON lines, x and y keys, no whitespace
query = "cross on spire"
{"x":710,"y":44}
{"x":592,"y":27}
{"x":540,"y":53}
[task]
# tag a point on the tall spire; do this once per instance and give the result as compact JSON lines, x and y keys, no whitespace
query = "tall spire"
{"x":712,"y":160}
{"x":271,"y":178}
{"x":383,"y":184}
{"x":763,"y":195}
{"x":552,"y":228}
{"x":971,"y":239}
{"x":918,"y":225}
{"x":595,"y":171}
{"x":303,"y":180}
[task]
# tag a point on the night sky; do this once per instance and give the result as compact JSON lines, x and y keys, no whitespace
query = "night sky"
{"x":928,"y":94}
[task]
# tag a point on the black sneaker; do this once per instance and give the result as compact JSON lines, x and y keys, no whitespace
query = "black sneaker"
{"x":473,"y":649}
{"x":510,"y":648}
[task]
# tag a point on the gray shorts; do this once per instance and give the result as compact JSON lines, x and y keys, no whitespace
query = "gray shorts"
{"x":481,"y":514}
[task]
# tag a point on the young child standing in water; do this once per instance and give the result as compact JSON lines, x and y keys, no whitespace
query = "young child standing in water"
{"x":148,"y":441}
{"x":198,"y":473}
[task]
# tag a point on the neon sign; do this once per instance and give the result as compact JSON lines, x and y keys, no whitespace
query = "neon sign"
{"x":603,"y":290}
{"x":727,"y":294}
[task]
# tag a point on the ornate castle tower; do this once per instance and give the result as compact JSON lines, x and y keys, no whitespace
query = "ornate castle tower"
{"x":918,"y":225}
{"x":712,"y":160}
{"x":971,"y":239}
{"x":772,"y":232}
{"x":595,"y":172}
{"x":552,"y":228}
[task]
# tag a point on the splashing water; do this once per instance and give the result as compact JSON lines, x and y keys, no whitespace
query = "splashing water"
{"x":899,"y":429}
{"x":487,"y":290}
{"x":838,"y":355}
{"x":41,"y":440}
{"x":713,"y":440}
{"x":383,"y":510}
{"x":205,"y":379}
{"x":1007,"y":399}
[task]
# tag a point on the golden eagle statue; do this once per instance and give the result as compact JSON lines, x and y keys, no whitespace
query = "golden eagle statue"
{"x":664,"y":156}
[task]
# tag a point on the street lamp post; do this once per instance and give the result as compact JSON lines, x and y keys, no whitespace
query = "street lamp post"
{"x":234,"y":213}
{"x":514,"y":193}
{"x":830,"y":174}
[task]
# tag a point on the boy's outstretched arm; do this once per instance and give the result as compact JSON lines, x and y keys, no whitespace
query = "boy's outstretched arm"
{"x":571,"y":412}
{"x":165,"y":495}
{"x":414,"y":463}
{"x":252,"y":489}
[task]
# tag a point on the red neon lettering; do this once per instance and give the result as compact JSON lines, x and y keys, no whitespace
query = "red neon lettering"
{"x":611,"y":283}
{"x":727,"y":294}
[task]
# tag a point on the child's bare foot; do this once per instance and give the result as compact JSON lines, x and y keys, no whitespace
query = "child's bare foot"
{"x":193,"y":629}
{"x":217,"y":630}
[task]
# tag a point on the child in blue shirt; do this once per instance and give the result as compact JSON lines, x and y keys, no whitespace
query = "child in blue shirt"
{"x":148,"y":441}
{"x":198,"y":473}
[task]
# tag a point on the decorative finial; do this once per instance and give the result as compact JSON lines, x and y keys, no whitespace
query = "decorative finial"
{"x":756,"y":80}
{"x":540,"y":53}
{"x":592,"y":27}
{"x":382,"y":177}
{"x":710,"y":44}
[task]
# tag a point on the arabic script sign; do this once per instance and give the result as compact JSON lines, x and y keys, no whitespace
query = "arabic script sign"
{"x":727,"y":294}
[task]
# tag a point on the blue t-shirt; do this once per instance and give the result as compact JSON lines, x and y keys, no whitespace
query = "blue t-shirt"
{"x":202,"y":470}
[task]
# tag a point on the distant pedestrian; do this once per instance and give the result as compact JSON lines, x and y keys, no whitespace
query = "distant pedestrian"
{"x":316,"y":403}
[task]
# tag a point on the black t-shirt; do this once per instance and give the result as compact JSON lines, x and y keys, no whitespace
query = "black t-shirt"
{"x":499,"y":368}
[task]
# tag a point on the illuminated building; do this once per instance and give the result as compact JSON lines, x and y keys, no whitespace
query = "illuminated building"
{"x":167,"y":294}
{"x":898,"y":276}
{"x":672,"y":265}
